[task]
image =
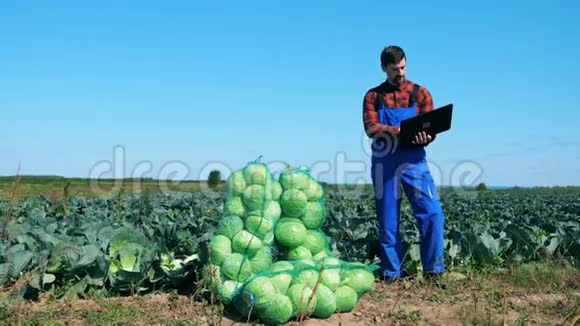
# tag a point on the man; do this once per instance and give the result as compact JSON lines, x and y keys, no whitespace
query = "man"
{"x":398,"y":169}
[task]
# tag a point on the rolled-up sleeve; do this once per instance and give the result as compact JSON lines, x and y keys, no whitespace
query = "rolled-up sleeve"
{"x":371,"y":122}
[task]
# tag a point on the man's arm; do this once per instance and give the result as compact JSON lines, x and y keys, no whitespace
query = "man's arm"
{"x":371,"y":122}
{"x":424,"y":100}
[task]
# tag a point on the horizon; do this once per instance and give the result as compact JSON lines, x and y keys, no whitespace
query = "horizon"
{"x":172,"y":92}
{"x":223,"y":180}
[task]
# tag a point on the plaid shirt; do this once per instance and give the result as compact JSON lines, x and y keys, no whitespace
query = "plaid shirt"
{"x":395,"y":97}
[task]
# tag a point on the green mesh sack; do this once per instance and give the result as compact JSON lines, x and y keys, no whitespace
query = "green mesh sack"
{"x":298,"y":233}
{"x":302,"y":289}
{"x":262,"y":214}
{"x":242,"y":243}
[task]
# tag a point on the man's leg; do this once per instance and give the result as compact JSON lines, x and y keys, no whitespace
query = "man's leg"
{"x":424,"y":199}
{"x":387,"y":204}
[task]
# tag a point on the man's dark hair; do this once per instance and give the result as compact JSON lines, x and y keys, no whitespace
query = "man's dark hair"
{"x":392,"y":54}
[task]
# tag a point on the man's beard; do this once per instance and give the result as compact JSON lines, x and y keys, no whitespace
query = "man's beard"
{"x":398,"y":80}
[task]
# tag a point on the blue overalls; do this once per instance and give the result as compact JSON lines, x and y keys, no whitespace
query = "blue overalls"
{"x":393,"y":165}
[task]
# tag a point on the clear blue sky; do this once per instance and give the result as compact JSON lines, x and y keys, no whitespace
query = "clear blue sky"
{"x":184,"y":87}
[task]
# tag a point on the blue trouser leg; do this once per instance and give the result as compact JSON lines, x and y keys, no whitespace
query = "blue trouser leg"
{"x":422,"y":194}
{"x":408,"y":165}
{"x":387,"y":204}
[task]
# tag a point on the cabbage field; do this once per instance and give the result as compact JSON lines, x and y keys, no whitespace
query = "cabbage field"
{"x":131,"y":243}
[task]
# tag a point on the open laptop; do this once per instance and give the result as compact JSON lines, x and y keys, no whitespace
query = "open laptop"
{"x":434,"y":122}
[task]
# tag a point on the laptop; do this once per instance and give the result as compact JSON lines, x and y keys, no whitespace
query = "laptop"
{"x":434,"y":122}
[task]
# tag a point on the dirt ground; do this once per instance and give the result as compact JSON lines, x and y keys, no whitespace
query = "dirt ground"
{"x":406,"y":303}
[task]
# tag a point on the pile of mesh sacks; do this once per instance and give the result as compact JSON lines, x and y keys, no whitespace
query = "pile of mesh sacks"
{"x":263,"y":215}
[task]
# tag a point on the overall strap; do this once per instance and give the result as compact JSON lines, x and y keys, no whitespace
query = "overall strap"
{"x":414,"y":94}
{"x":380,"y":102}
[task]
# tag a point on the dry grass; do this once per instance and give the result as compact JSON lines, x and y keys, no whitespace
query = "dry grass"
{"x":481,"y":299}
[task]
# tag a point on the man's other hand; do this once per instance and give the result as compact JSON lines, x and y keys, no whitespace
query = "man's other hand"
{"x":422,"y":138}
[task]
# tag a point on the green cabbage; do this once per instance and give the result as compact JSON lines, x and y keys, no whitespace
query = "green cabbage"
{"x":255,"y":197}
{"x":308,"y":277}
{"x":325,"y":302}
{"x":279,"y":311}
{"x":229,"y":226}
{"x":276,"y":190}
{"x":314,"y":215}
{"x":273,"y":211}
{"x":281,"y":265}
{"x":236,"y":184}
{"x":313,"y":190}
{"x":237,"y":267}
{"x":262,"y":260}
{"x":256,"y":174}
{"x":129,"y":257}
{"x":289,"y":232}
{"x":346,"y":298}
{"x":301,"y":263}
{"x":259,"y":225}
{"x":128,"y":268}
{"x":360,"y":279}
{"x":234,"y":206}
{"x":301,"y":295}
{"x":221,"y":249}
{"x":330,"y":275}
{"x":299,"y":253}
{"x":292,"y":178}
{"x":268,"y":239}
{"x":331,"y":278}
{"x":282,"y":275}
{"x":323,"y":254}
{"x":227,"y":290}
{"x":263,"y":290}
{"x":293,"y":203}
{"x":282,"y":281}
{"x":315,"y":241}
{"x":329,"y":262}
{"x":246,"y":243}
